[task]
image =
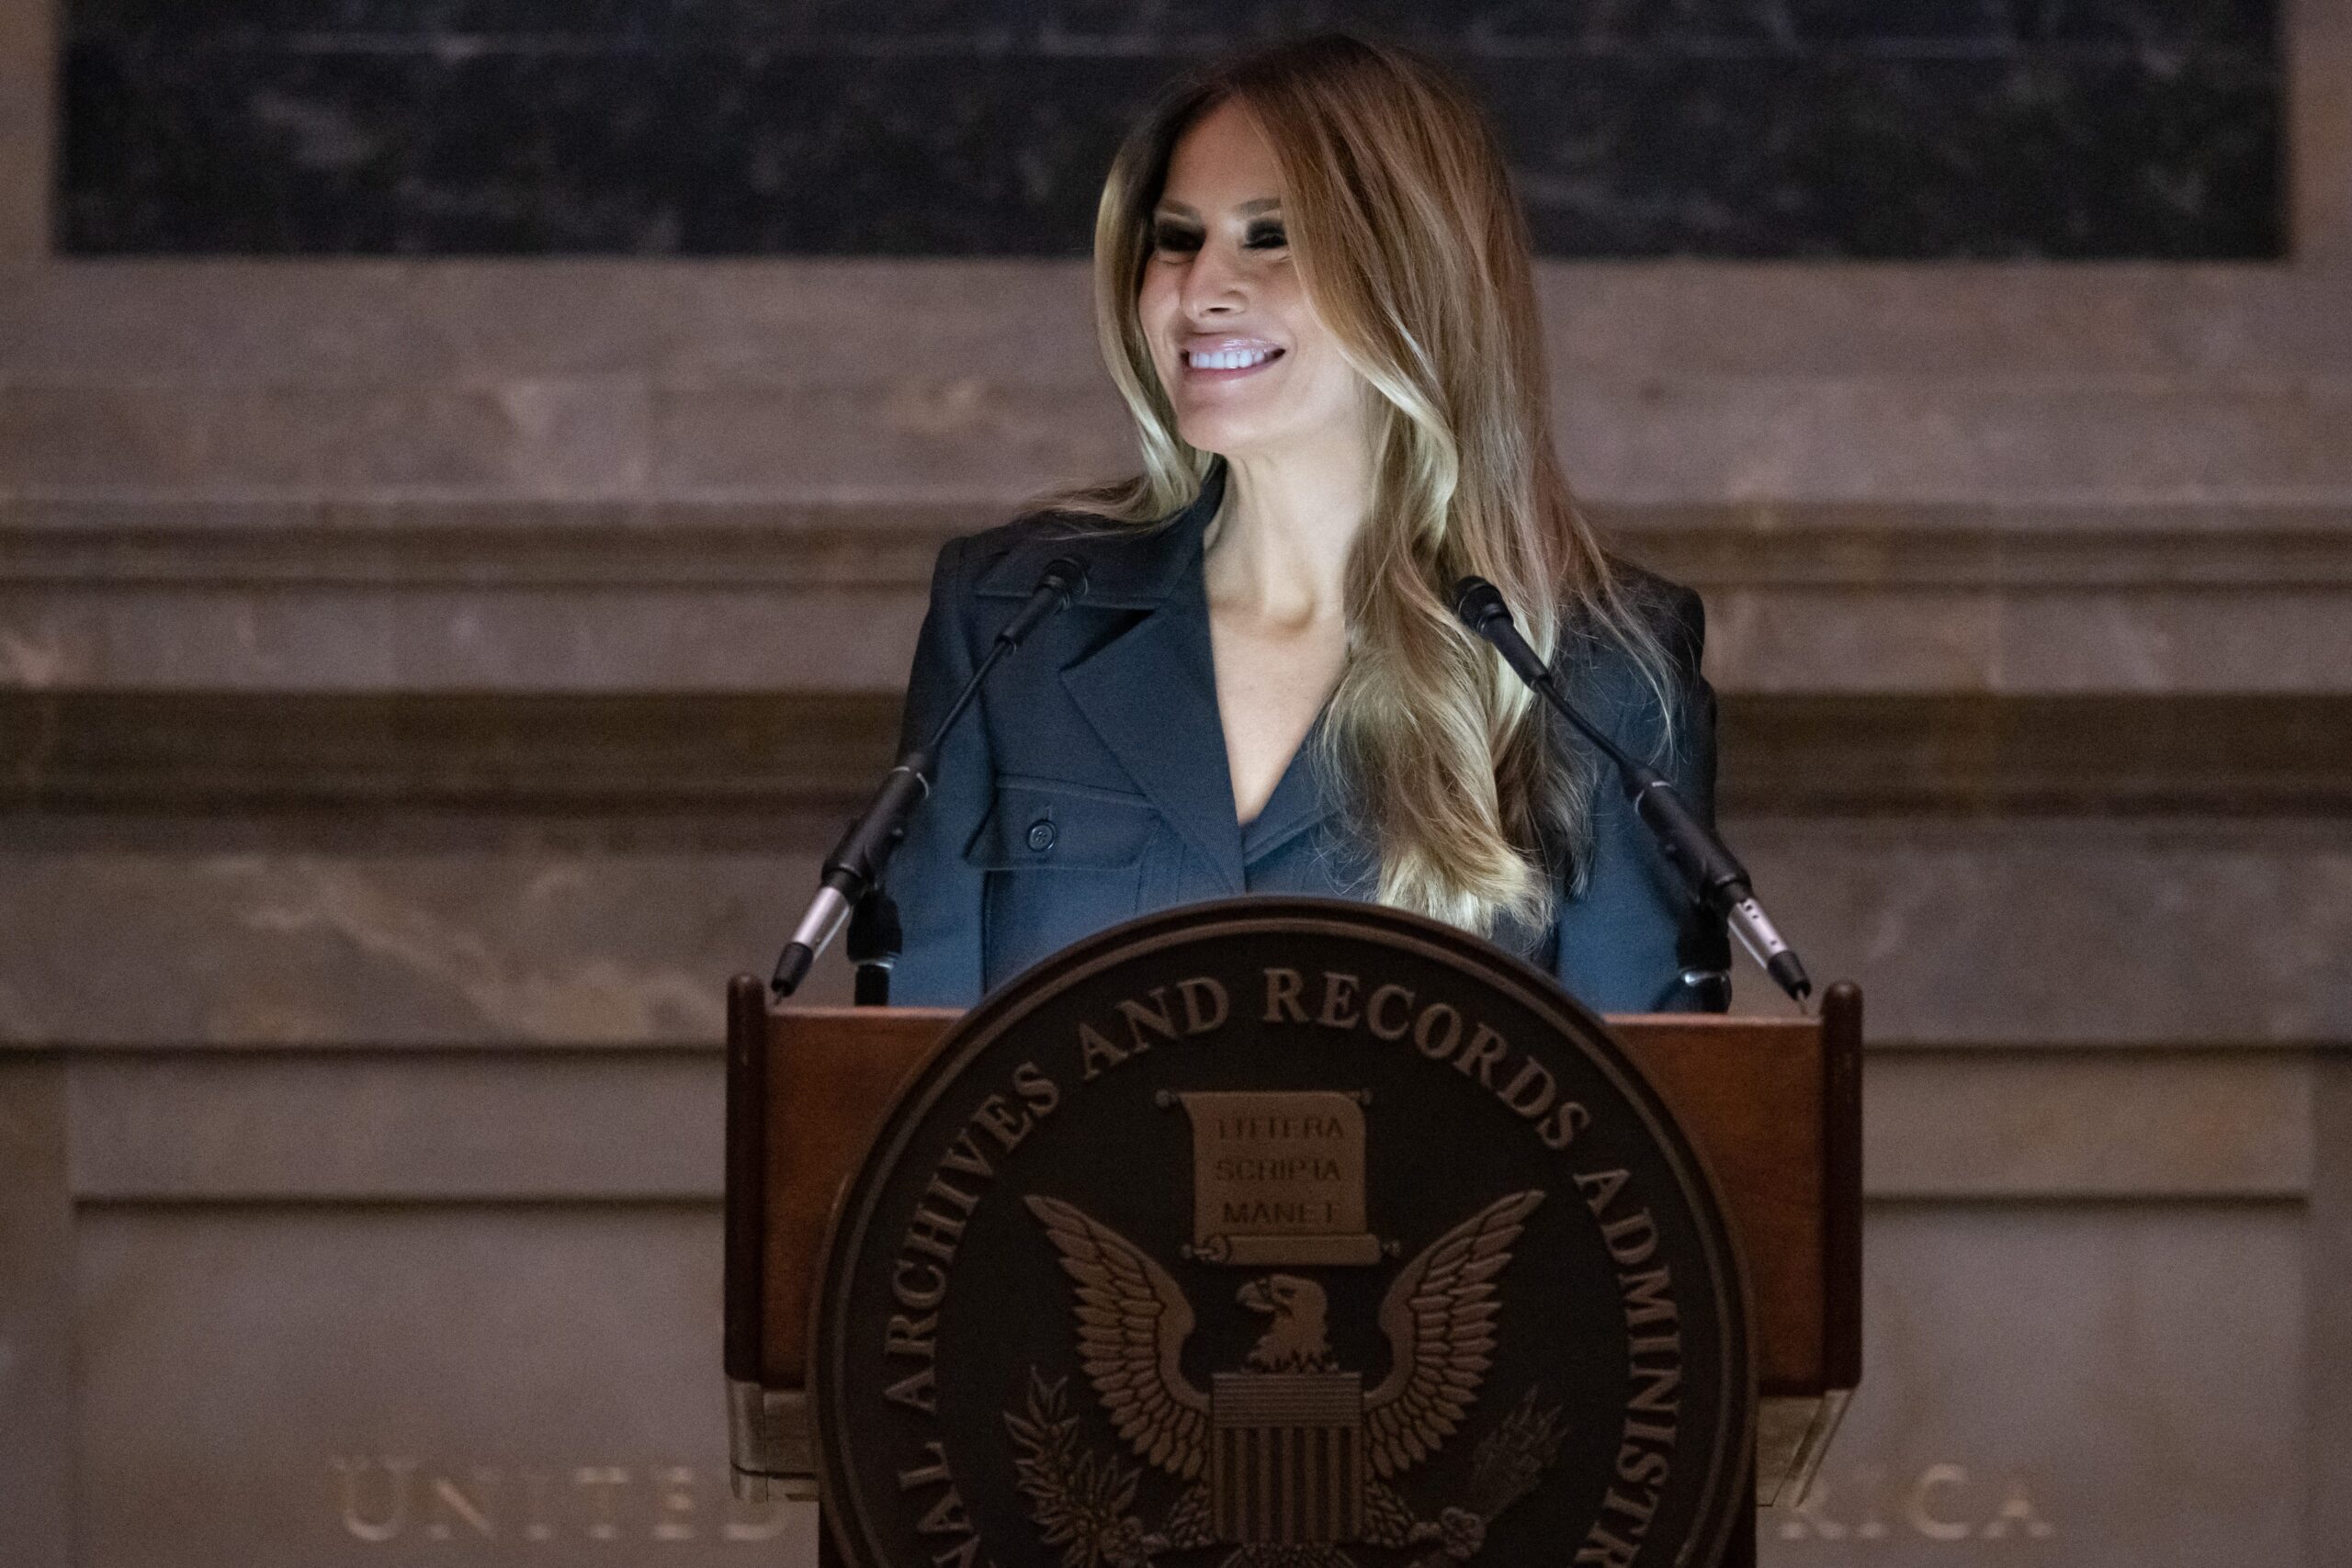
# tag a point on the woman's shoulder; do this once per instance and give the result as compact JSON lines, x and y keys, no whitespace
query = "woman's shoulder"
{"x":1673,"y":617}
{"x":1673,"y":614}
{"x":1126,"y":563}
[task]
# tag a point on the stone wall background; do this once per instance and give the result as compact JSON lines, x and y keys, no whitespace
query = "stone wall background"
{"x":423,"y":680}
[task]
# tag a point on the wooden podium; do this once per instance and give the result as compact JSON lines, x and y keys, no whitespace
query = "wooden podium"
{"x":1774,"y":1106}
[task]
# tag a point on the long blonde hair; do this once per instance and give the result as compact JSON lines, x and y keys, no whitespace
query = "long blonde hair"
{"x":1414,"y":253}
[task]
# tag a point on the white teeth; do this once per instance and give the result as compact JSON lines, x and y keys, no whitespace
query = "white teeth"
{"x":1235,"y":359}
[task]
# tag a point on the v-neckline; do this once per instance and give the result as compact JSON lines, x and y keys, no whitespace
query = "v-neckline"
{"x":1296,"y":797}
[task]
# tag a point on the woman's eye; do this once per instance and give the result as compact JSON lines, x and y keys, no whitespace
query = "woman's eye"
{"x":1168,"y":239}
{"x":1267,"y":237}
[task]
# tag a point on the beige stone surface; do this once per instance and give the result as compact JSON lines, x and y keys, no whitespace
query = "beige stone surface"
{"x":2327,"y":1310}
{"x":37,"y":1390}
{"x":848,"y":322}
{"x":2127,"y":1125}
{"x":27,"y":46}
{"x":296,"y":1387}
{"x":255,"y":1123}
{"x":2057,"y":931}
{"x":233,"y":1356}
{"x":332,"y":637}
{"x":977,"y":381}
{"x":719,"y":595}
{"x":586,"y":438}
{"x":2068,"y":931}
{"x":438,"y":1126}
{"x":465,"y":945}
{"x":2085,"y":1387}
{"x":958,"y":433}
{"x":2319,"y":131}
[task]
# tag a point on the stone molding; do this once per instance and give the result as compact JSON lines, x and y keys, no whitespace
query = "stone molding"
{"x":763,"y":756}
{"x":806,"y":547}
{"x":615,"y":1124}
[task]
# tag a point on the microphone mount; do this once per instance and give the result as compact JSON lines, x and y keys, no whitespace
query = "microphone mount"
{"x":1715,"y":876}
{"x":854,"y":867}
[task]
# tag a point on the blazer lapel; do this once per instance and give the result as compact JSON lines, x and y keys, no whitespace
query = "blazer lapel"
{"x":1301,"y":800}
{"x":1150,"y":694}
{"x":1150,"y":690}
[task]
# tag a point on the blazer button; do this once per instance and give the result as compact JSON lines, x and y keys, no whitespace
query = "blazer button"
{"x":1041,"y":835}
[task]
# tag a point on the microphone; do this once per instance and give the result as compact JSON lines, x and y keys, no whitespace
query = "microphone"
{"x":855,"y":865}
{"x":1715,"y":876}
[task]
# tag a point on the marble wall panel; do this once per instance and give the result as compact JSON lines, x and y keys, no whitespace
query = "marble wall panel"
{"x":2155,"y":439}
{"x":1655,"y":441}
{"x":522,"y":1123}
{"x":1795,"y":320}
{"x":747,"y":594}
{"x":916,"y":439}
{"x":409,"y":1126}
{"x":2327,"y":1311}
{"x":2068,"y":931}
{"x":760,"y":638}
{"x":27,"y":47}
{"x":2063,"y":930}
{"x":2125,"y":128}
{"x":1898,"y":640}
{"x":322,"y":1385}
{"x":2319,"y":129}
{"x":398,"y":1126}
{"x":460,"y":945}
{"x":2115,"y":1123}
{"x":2080,"y":1387}
{"x":821,"y":322}
{"x":37,"y":1243}
{"x":275,"y":1387}
{"x":587,"y":439}
{"x":804,"y":322}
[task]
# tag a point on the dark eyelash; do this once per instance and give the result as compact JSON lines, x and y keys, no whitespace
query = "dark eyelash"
{"x":1268,"y":234}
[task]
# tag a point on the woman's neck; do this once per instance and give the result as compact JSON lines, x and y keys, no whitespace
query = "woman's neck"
{"x":1278,"y":552}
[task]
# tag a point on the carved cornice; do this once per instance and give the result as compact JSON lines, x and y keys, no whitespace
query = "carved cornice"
{"x":747,"y":757}
{"x":271,"y":544}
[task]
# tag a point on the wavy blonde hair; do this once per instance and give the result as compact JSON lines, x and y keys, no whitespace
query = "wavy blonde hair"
{"x":1413,"y":250}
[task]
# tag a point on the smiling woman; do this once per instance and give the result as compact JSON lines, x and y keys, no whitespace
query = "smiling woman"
{"x":1313,"y":289}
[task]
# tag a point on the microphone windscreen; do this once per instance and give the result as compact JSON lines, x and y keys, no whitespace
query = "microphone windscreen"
{"x":1477,"y":601}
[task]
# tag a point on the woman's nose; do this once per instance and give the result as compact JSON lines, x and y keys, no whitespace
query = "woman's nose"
{"x":1212,"y":284}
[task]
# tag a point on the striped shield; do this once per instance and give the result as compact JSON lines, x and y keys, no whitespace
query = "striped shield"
{"x":1286,"y":1464}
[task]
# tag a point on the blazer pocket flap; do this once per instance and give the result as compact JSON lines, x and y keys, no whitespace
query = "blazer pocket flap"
{"x":1040,"y":825}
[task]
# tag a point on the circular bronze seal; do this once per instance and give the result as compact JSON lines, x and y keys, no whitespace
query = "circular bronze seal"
{"x":1280,"y":1233}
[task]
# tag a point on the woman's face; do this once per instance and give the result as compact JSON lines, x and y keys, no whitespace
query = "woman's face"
{"x":1249,"y":368}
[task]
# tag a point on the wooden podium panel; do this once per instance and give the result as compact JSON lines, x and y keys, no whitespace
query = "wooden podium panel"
{"x":1773,"y":1105}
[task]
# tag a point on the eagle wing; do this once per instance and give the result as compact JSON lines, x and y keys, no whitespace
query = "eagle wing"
{"x":1440,"y":1319}
{"x":1131,"y":1325}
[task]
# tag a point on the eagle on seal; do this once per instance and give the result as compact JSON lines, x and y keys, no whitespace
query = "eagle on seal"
{"x":1291,"y":1458}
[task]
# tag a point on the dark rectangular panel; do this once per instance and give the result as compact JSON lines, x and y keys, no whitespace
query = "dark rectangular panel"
{"x":1722,"y":128}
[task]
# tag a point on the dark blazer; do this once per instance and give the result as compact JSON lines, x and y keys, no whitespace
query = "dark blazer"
{"x":1089,"y":786}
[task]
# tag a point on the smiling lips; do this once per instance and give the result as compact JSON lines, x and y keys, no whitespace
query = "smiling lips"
{"x":1226,"y":358}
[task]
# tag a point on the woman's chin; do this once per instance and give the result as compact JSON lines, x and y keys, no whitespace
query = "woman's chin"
{"x":1231,"y":439}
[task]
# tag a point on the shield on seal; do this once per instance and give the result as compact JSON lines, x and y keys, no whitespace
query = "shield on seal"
{"x":1286,"y":1463}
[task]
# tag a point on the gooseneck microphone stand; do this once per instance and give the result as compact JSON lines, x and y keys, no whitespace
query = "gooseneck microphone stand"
{"x":855,"y":868}
{"x":1716,"y":877}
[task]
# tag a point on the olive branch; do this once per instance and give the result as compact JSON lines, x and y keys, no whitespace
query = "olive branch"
{"x":1081,"y":1501}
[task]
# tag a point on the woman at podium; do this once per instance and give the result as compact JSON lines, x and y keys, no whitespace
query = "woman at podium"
{"x":1314,"y":291}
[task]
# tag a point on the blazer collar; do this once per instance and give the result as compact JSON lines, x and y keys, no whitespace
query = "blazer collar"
{"x":1129,"y":566}
{"x":1149,"y":690}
